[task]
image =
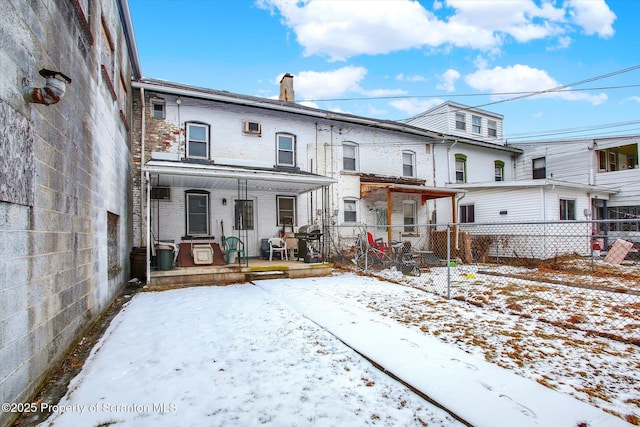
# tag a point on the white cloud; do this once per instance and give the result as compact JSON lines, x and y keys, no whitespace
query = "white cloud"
{"x":343,"y":29}
{"x":522,"y":78}
{"x":594,"y":16}
{"x":631,"y":99}
{"x":448,"y":80}
{"x":412,"y":79}
{"x":415,"y":106}
{"x":328,"y":84}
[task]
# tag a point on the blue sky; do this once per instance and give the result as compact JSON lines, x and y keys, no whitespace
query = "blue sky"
{"x":394,"y":59}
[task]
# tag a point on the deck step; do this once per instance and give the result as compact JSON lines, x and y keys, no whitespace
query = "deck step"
{"x":265,"y":275}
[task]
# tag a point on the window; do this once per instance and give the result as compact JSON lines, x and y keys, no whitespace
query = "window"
{"x":539,"y":168}
{"x":476,"y":122}
{"x":461,"y":168}
{"x":161,"y":193}
{"x":197,"y":206}
{"x":197,"y":140}
{"x":381,"y":218}
{"x":243,"y":214}
{"x":349,"y":156}
{"x":286,"y":206}
{"x":157,"y":109}
{"x":567,"y":209}
{"x":286,"y":150}
{"x":409,"y":214}
{"x":618,"y":158}
{"x":461,"y":121}
{"x":467,"y":213}
{"x":499,"y":170}
{"x":408,"y":163}
{"x":492,"y":128}
{"x":350,"y":211}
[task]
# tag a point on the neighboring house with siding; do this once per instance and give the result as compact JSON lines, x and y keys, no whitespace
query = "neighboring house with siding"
{"x":65,"y":174}
{"x":610,"y":163}
{"x":508,"y":182}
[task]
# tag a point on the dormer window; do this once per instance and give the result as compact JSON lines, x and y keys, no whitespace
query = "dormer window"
{"x":461,"y":121}
{"x":476,"y":122}
{"x":492,"y":128}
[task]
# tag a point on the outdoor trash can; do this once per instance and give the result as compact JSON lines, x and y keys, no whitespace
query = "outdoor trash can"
{"x":164,"y":257}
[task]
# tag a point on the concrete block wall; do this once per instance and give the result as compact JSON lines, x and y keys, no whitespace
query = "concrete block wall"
{"x":69,"y":167}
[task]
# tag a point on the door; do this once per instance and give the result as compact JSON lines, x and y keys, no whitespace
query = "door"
{"x":244,"y":224}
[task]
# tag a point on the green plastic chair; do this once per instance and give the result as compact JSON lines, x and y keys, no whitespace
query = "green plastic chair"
{"x":233,"y":244}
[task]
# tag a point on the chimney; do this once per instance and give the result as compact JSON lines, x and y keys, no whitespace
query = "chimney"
{"x":286,"y":88}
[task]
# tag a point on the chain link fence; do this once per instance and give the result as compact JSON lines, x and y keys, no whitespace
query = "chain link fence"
{"x":578,"y":274}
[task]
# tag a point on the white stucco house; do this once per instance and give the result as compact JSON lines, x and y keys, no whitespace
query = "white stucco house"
{"x":210,"y":163}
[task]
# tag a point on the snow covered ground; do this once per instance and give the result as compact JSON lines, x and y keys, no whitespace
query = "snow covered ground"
{"x":249,"y":355}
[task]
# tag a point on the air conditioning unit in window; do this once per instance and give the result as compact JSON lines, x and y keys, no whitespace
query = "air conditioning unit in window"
{"x":161,"y":193}
{"x":253,"y":128}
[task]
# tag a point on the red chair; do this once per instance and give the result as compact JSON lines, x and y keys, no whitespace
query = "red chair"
{"x":376,"y":243}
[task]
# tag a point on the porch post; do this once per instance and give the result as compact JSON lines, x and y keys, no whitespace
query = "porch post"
{"x":148,"y":227}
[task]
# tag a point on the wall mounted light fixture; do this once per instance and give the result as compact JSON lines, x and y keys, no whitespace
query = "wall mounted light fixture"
{"x":224,"y":202}
{"x":52,"y":92}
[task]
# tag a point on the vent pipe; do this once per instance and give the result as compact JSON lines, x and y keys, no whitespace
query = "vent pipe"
{"x":52,"y":92}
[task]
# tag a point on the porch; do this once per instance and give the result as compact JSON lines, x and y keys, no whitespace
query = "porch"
{"x":255,"y":269}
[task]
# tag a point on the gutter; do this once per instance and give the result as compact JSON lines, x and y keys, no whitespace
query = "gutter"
{"x":127,"y":26}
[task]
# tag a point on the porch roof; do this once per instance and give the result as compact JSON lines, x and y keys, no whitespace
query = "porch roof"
{"x":427,"y":193}
{"x":223,"y":177}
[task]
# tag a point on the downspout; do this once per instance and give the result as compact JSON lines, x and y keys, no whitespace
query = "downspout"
{"x":142,"y":175}
{"x":147,"y":183}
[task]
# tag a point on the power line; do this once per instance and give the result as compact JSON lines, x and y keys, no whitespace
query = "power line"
{"x":463,"y":95}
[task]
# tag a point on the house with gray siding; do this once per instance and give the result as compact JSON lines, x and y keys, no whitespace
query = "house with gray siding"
{"x":65,"y":175}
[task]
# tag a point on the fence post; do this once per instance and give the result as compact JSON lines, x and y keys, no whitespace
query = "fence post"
{"x":448,"y":261}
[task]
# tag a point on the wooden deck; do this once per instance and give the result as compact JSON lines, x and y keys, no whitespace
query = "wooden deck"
{"x":233,"y":273}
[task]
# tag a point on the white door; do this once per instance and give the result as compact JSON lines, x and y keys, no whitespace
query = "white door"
{"x":244,"y":224}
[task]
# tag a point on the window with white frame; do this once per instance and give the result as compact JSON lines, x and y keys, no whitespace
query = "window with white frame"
{"x":409,"y":213}
{"x":197,"y":140}
{"x":286,"y":155}
{"x":350,"y":210}
{"x":461,"y":168}
{"x":408,"y":163}
{"x":349,"y":156}
{"x":492,"y":128}
{"x":467,"y":213}
{"x":157,"y":109}
{"x":476,"y":124}
{"x":286,"y":207}
{"x":499,"y":170}
{"x":197,"y":212}
{"x":567,"y":209}
{"x":461,"y":121}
